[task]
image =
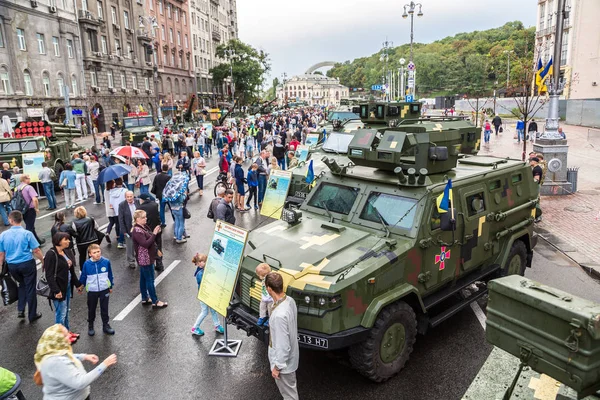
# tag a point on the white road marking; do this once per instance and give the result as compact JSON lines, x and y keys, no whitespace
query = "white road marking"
{"x":479,"y":313}
{"x":121,"y":316}
{"x":61,"y":209}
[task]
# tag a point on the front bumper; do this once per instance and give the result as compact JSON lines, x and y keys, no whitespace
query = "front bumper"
{"x":243,"y":318}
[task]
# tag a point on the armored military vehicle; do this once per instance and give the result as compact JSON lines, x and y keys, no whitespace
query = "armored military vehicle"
{"x":136,"y":127}
{"x":386,"y":243}
{"x":54,"y":140}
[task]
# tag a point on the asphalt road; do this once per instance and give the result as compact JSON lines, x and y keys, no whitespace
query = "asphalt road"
{"x":160,"y":359}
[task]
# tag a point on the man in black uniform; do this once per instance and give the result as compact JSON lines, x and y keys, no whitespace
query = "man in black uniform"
{"x":158,"y":185}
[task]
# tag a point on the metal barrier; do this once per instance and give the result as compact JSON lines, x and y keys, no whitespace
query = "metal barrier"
{"x":572,"y":174}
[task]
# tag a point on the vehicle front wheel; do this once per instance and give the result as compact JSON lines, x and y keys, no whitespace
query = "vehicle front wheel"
{"x":390,"y":342}
{"x":517,"y":259}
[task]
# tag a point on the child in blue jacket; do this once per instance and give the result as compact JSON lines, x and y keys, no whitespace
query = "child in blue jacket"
{"x":199,"y":261}
{"x":252,"y":179}
{"x":97,"y":277}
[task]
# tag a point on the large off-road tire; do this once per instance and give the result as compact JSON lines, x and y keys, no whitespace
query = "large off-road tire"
{"x":390,"y":342}
{"x":517,"y":259}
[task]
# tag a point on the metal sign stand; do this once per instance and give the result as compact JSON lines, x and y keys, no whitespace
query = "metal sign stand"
{"x":224,"y":347}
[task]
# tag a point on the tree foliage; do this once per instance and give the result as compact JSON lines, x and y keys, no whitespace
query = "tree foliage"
{"x":466,"y":63}
{"x":249,"y":68}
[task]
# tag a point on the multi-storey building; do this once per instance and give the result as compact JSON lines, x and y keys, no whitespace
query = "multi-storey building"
{"x":40,"y":61}
{"x":118,"y":68}
{"x":172,"y":54}
{"x":213,"y":22}
{"x":580,"y":50}
{"x":313,"y":89}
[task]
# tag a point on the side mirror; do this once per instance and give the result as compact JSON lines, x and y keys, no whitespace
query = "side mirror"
{"x":446,"y":222}
{"x":438,"y":153}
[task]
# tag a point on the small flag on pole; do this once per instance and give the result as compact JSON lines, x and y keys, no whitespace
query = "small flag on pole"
{"x":444,"y":200}
{"x":310,"y":174}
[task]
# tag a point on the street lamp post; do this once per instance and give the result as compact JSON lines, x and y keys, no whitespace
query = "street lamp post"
{"x":230,"y":53}
{"x":507,"y":52}
{"x":409,"y":9}
{"x":387,"y":46}
{"x":154,"y":26}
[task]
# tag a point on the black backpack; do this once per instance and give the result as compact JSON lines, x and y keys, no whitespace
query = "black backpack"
{"x":18,"y":201}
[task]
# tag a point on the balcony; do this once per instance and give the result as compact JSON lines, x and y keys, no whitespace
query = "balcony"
{"x":216,"y":35}
{"x":86,"y":17}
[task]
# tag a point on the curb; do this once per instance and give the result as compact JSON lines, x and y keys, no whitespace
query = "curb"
{"x":589,"y":267}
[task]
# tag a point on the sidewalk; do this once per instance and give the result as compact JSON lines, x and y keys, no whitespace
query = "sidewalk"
{"x":571,"y":222}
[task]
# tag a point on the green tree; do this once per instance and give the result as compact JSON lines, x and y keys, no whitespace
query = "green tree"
{"x":249,"y":68}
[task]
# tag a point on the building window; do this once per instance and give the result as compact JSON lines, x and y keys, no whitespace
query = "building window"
{"x":126,"y":19}
{"x":134,"y":80}
{"x":183,"y":15}
{"x":84,"y":5}
{"x":564,"y":48}
{"x":146,"y":83}
{"x":160,"y":7}
{"x":94,"y":78}
{"x":171,"y":35}
{"x":41,"y":44}
{"x":162,"y":32}
{"x":92,"y":40}
{"x":100,"y":10}
{"x":177,"y":14}
{"x":56,"y":46}
{"x":60,"y":83}
{"x":111,"y":82}
{"x":550,"y":14}
{"x":74,"y":86}
{"x":5,"y":81}
{"x":151,"y":4}
{"x":129,"y":50}
{"x":113,"y":15}
{"x":1,"y":35}
{"x":28,"y":83}
{"x":172,"y":59}
{"x":123,"y":80}
{"x":165,"y":61}
{"x":70,"y":48}
{"x":180,"y":61}
{"x":542,"y":15}
{"x":185,"y":41}
{"x":178,"y":38}
{"x":46,"y":84}
{"x":104,"y":44}
{"x":169,"y":10}
{"x":117,"y":47}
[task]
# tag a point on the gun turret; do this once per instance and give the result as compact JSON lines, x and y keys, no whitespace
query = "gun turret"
{"x":390,"y":114}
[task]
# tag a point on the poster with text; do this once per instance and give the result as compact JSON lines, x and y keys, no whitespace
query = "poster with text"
{"x":32,"y":165}
{"x":312,"y":140}
{"x":222,"y":267}
{"x":302,"y":153}
{"x":278,"y":185}
{"x":208,"y":127}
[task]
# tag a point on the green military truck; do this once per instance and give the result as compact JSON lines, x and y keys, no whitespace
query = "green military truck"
{"x":136,"y":128}
{"x":54,"y":140}
{"x":377,"y":256}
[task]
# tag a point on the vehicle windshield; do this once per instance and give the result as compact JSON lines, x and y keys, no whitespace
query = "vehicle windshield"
{"x":146,"y":121}
{"x":337,"y":142}
{"x":335,"y":198}
{"x":130,"y":122}
{"x":342,"y":115}
{"x":395,"y":211}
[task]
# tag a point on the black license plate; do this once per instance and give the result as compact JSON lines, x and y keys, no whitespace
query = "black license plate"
{"x":313,"y":341}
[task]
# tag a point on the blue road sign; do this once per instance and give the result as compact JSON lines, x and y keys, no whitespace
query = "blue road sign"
{"x":376,"y":87}
{"x":409,"y":98}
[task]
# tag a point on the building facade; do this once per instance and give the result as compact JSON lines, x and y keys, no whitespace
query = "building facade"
{"x":213,"y":22}
{"x":580,"y":50}
{"x":40,"y":61}
{"x":314,"y":89}
{"x":172,"y":54}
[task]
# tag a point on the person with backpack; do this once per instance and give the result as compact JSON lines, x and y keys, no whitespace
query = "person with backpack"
{"x":47,"y":176}
{"x":26,"y":201}
{"x":18,"y":247}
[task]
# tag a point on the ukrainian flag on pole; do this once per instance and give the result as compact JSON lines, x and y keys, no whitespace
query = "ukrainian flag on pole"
{"x":310,"y":173}
{"x":539,"y":69}
{"x":444,"y":200}
{"x":547,"y":72}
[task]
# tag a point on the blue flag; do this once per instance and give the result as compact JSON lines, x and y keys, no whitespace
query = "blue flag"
{"x":310,"y":174}
{"x":445,"y":199}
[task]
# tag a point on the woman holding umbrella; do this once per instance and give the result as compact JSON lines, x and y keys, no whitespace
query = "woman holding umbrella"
{"x":114,"y":195}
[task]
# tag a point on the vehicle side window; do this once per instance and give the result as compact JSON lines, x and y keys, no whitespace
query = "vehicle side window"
{"x":335,"y":198}
{"x":30,"y":145}
{"x":436,"y":219}
{"x":475,"y":204}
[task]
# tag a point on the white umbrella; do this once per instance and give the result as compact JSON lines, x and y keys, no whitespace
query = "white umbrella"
{"x":6,"y":126}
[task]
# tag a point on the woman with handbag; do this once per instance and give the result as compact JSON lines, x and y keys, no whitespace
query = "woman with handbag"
{"x":59,"y":267}
{"x":61,"y":226}
{"x":67,"y":182}
{"x":60,"y":371}
{"x":87,"y":233}
{"x":143,"y":176}
{"x":146,"y":252}
{"x":199,"y":169}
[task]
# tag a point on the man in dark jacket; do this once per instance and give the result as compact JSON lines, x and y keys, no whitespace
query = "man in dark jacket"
{"x":497,"y":121}
{"x":147,"y":148}
{"x":225,"y":208}
{"x":212,"y":209}
{"x":153,"y":220}
{"x":158,"y":185}
{"x":126,"y":210}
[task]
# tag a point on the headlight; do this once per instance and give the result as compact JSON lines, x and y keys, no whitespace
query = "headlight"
{"x":291,"y":216}
{"x":307,"y":299}
{"x":322,"y":301}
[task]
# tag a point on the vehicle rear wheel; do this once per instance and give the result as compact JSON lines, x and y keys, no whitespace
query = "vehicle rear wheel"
{"x":220,"y":184}
{"x":517,"y":259}
{"x":390,"y":342}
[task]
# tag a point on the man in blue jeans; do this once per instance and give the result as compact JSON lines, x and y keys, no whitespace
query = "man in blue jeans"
{"x":45,"y":176}
{"x":18,"y":246}
{"x":263,"y":165}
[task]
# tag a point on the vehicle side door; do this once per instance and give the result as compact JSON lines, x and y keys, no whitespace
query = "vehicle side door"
{"x":474,"y":235}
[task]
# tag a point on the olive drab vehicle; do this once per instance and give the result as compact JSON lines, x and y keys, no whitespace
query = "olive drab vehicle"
{"x":54,"y":140}
{"x":381,"y":253}
{"x":136,"y":127}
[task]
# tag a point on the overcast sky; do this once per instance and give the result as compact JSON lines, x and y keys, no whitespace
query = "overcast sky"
{"x":300,"y":33}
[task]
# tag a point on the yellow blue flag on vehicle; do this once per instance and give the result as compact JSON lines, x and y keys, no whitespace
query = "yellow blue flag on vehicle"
{"x":444,"y":200}
{"x":310,"y":173}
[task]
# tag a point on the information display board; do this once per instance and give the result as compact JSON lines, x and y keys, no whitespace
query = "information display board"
{"x":32,"y":165}
{"x":222,"y":267}
{"x":302,"y":152}
{"x":278,"y":185}
{"x":312,"y":140}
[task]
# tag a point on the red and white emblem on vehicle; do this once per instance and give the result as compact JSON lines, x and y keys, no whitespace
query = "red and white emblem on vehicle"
{"x":442,"y":257}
